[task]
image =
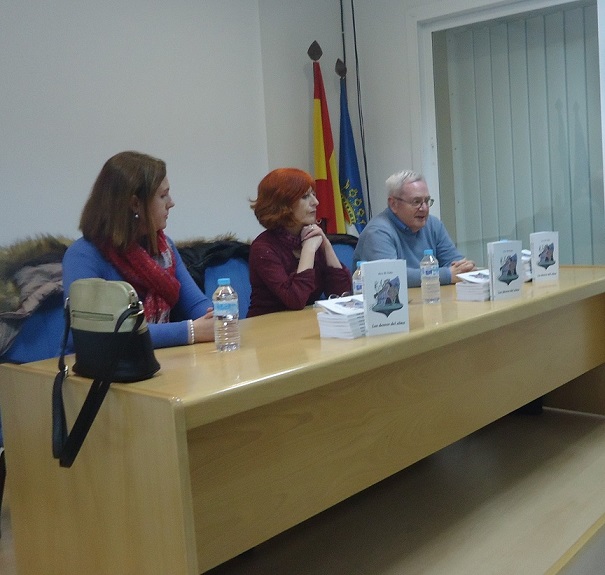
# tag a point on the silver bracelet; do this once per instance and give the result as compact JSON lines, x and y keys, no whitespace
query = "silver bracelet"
{"x":191,"y":332}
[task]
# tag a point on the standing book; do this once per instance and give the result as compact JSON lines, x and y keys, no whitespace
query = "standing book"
{"x":506,"y":275}
{"x":385,"y":296}
{"x":544,"y":248}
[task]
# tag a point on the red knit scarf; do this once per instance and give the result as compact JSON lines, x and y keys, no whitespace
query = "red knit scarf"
{"x":153,"y":279}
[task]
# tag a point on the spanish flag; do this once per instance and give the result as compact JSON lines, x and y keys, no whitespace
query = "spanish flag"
{"x":330,"y":213}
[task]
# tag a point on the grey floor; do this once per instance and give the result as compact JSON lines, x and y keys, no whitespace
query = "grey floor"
{"x":482,"y":505}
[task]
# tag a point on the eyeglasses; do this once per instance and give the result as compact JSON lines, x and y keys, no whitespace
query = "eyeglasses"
{"x":417,"y":203}
{"x":336,"y":296}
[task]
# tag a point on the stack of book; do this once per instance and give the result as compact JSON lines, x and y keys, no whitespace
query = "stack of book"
{"x":474,"y":286}
{"x":526,"y":260}
{"x":342,"y":317}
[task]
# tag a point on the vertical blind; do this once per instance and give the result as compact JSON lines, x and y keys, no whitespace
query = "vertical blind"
{"x":526,"y":132}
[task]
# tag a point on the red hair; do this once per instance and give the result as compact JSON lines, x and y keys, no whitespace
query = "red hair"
{"x":278,"y":191}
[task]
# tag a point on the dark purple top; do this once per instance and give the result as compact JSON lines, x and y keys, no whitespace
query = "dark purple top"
{"x":275,"y":284}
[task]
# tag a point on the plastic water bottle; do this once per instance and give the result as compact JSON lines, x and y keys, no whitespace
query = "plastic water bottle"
{"x":226,"y":316}
{"x":429,"y":278}
{"x":357,"y":280}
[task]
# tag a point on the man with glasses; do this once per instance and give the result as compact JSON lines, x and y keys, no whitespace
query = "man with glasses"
{"x":405,"y":229}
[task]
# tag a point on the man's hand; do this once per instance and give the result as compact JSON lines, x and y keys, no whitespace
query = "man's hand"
{"x":461,"y":267}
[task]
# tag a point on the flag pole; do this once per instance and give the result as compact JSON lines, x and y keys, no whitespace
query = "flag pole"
{"x":358,"y":86}
{"x":342,"y":32}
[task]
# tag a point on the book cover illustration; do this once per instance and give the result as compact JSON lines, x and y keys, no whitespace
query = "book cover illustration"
{"x":385,"y":296}
{"x":544,"y":248}
{"x":508,"y":270}
{"x":504,"y":263}
{"x":546,"y":257}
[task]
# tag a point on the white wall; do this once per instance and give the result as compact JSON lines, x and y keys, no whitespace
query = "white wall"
{"x":181,"y":80}
{"x":385,"y":92}
{"x":288,"y":27}
{"x":184,"y":80}
{"x":221,"y":89}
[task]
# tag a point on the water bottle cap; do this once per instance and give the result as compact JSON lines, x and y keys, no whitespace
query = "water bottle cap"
{"x":224,"y":281}
{"x":359,"y":264}
{"x":428,"y":252}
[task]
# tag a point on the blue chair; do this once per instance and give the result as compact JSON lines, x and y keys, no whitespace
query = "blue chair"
{"x":225,"y":257}
{"x":40,"y":335}
{"x":344,"y":245}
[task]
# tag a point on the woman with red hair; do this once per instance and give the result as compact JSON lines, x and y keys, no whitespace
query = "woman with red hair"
{"x":292,"y":263}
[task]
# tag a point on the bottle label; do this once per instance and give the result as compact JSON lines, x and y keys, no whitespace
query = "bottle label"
{"x":432,"y":272}
{"x":226,"y":307}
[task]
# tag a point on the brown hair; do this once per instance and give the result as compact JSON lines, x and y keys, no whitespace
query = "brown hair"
{"x":278,"y":191}
{"x":108,"y":215}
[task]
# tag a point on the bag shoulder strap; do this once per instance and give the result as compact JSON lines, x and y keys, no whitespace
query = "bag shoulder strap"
{"x":66,"y":446}
{"x":59,"y":432}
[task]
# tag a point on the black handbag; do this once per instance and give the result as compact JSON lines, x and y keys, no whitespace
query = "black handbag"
{"x":111,"y":343}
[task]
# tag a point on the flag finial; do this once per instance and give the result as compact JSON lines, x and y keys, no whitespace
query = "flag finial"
{"x":340,"y":68}
{"x":314,"y":51}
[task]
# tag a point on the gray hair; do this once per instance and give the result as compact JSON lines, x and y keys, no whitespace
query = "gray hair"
{"x":396,"y":182}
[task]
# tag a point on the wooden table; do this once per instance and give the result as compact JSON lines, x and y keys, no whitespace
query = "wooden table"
{"x":219,"y":452}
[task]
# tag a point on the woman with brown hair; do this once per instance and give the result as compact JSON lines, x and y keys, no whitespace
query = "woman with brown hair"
{"x":292,"y":263}
{"x":123,"y":225}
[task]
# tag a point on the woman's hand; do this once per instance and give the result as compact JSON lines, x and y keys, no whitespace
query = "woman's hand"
{"x":314,"y":238}
{"x":203,"y":327}
{"x":313,"y":235}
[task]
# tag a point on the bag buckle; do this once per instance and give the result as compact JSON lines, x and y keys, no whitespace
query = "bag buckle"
{"x":138,"y":305}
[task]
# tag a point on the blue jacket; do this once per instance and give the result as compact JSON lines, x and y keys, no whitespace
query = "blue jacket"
{"x":387,"y":237}
{"x":83,"y":260}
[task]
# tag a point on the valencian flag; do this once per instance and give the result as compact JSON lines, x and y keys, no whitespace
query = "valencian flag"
{"x":330,"y":212}
{"x":349,"y":178}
